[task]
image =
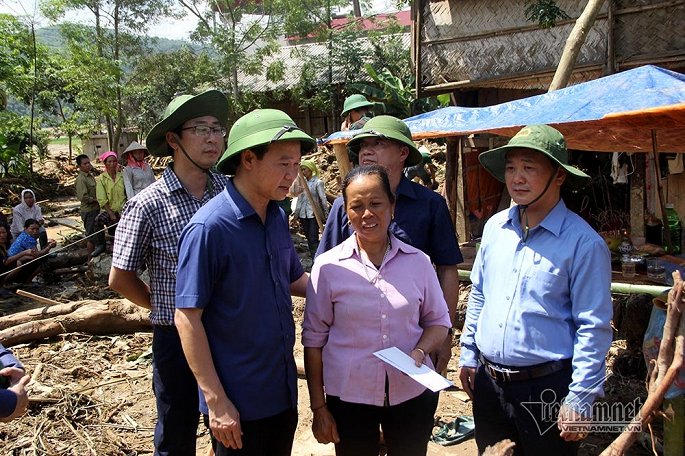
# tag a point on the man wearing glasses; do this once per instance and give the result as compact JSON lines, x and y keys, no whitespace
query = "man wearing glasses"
{"x":237,"y":269}
{"x":192,"y":132}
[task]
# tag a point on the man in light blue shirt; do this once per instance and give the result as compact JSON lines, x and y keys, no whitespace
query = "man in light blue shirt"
{"x":537,"y":325}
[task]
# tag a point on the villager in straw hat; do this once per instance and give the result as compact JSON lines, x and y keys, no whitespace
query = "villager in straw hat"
{"x":191,"y":131}
{"x":537,"y":326}
{"x":304,"y":210}
{"x":137,"y":173}
{"x":237,"y":269}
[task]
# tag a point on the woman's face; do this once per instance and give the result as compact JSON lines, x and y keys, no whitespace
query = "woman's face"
{"x":306,"y":172}
{"x":111,"y":164}
{"x":138,"y":154}
{"x":369,"y":208}
{"x":29,"y":199}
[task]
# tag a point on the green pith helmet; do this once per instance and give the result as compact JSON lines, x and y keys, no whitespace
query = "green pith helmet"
{"x":181,"y":109}
{"x":541,"y":138}
{"x":387,"y":127}
{"x":355,"y":102}
{"x":261,"y":127}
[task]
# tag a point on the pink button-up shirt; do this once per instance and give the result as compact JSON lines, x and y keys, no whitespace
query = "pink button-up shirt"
{"x":352,"y":313}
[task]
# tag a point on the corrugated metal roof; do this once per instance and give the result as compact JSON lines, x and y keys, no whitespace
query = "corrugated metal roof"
{"x":295,"y":58}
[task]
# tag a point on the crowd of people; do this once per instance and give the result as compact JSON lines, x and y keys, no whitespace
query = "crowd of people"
{"x":223,"y":268}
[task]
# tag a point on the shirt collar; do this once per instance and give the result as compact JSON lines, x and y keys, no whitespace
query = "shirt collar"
{"x":174,"y":184}
{"x":552,"y":222}
{"x":405,"y":188}
{"x":243,"y":209}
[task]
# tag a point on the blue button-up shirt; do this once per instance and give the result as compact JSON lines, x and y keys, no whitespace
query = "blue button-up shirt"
{"x":422,"y":220}
{"x":239,"y":270}
{"x":543,"y":299}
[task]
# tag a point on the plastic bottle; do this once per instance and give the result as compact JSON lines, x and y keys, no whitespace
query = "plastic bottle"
{"x":674,"y":225}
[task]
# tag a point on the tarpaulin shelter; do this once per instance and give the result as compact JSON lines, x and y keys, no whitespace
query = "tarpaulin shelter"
{"x":638,"y":110}
{"x":613,"y":113}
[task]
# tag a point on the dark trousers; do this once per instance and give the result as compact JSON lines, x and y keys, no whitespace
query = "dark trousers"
{"x":271,"y":436}
{"x":310,"y":229}
{"x":406,"y":426}
{"x":176,"y":392}
{"x":91,"y":227}
{"x":523,"y":411}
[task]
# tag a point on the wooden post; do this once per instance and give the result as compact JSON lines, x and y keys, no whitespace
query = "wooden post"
{"x":462,"y":225}
{"x":637,"y":197}
{"x":342,"y":158}
{"x":454,"y":185}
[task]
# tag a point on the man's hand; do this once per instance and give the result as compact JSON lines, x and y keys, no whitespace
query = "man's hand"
{"x":467,"y":377}
{"x":323,"y":426}
{"x":18,"y":388}
{"x":573,"y":425}
{"x":14,"y":374}
{"x":224,"y":421}
{"x":443,"y":355}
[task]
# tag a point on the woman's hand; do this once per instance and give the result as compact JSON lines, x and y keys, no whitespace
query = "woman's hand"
{"x":323,"y":426}
{"x":418,"y":355}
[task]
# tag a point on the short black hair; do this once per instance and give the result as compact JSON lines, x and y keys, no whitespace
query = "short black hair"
{"x":231,"y":166}
{"x":368,"y":170}
{"x":30,"y":222}
{"x":80,"y":159}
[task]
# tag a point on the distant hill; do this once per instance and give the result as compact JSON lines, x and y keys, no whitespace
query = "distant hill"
{"x":51,"y":37}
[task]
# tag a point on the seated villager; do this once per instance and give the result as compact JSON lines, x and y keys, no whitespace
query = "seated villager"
{"x":28,"y":209}
{"x":22,"y":251}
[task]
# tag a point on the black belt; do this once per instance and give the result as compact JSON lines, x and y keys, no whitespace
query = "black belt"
{"x":515,"y":374}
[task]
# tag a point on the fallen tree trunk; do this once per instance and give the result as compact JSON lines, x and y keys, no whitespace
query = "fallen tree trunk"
{"x":91,"y":317}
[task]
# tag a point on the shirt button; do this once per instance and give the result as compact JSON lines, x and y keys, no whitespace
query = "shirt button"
{"x":515,"y":270}
{"x":500,"y":325}
{"x":382,"y":295}
{"x":507,"y":298}
{"x":384,"y":316}
{"x":385,"y":336}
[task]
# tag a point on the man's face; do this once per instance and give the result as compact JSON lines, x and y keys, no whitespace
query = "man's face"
{"x":276,"y":171}
{"x":526,"y":175}
{"x":203,"y":146}
{"x":85,"y":165}
{"x":32,"y":230}
{"x":28,"y":199}
{"x":383,"y":152}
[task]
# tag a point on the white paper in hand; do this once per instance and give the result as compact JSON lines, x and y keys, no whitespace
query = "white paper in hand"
{"x":424,"y":374}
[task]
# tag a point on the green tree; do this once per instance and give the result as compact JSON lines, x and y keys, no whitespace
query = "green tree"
{"x":104,"y":52}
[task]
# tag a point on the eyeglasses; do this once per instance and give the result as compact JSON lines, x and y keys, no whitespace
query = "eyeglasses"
{"x":284,"y":130}
{"x":203,"y":131}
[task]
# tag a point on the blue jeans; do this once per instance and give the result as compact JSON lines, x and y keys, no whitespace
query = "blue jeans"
{"x":176,"y":392}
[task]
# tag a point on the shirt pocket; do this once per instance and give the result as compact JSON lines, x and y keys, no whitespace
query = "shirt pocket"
{"x":544,"y":292}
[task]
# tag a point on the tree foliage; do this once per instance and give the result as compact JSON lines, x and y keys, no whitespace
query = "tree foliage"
{"x":545,"y":12}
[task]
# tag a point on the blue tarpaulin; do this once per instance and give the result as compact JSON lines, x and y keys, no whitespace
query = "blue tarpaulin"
{"x":613,"y":113}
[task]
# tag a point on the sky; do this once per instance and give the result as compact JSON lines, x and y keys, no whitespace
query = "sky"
{"x":169,"y":28}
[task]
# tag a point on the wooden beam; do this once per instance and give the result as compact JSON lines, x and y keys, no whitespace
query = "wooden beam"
{"x":343,"y":159}
{"x":462,"y":223}
{"x":637,"y":197}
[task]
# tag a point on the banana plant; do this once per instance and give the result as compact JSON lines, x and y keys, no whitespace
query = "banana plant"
{"x":395,"y":97}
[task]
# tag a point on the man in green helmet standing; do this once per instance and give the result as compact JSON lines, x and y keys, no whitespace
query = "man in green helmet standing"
{"x":237,"y":270}
{"x":355,"y":112}
{"x":192,"y":132}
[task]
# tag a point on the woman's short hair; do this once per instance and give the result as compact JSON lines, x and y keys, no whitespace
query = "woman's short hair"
{"x":368,"y":170}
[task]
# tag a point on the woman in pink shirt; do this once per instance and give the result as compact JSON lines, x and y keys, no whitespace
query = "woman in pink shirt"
{"x":369,"y":293}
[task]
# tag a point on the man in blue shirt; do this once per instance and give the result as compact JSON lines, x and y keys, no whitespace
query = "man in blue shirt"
{"x":236,"y":272}
{"x":192,"y":132}
{"x":421,"y":217}
{"x":537,"y":324}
